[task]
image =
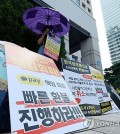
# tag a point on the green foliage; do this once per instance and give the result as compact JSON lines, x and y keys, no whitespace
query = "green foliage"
{"x":62,"y":54}
{"x":62,"y":49}
{"x":112,"y":75}
{"x":12,"y":28}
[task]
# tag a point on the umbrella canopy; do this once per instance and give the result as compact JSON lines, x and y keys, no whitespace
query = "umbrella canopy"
{"x":38,"y":18}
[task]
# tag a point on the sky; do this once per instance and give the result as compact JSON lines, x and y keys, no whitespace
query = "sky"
{"x":103,"y":45}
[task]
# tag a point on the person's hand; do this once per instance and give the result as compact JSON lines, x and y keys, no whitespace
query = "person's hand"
{"x":46,"y":31}
{"x":41,"y":39}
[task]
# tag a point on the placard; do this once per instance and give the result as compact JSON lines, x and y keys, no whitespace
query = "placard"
{"x":3,"y":73}
{"x":114,"y":107}
{"x":78,"y":77}
{"x":105,"y":106}
{"x":100,"y":87}
{"x":52,"y":47}
{"x":40,"y":100}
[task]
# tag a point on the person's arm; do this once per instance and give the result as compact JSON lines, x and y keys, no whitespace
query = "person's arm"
{"x":41,"y":39}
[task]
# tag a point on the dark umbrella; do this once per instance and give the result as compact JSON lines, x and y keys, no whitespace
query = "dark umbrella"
{"x":38,"y":18}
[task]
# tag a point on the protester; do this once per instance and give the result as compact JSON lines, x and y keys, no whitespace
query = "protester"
{"x":41,"y":41}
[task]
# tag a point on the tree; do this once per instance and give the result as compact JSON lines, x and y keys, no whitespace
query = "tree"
{"x":112,"y":75}
{"x":12,"y":28}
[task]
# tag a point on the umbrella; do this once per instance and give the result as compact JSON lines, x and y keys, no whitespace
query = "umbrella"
{"x":38,"y":18}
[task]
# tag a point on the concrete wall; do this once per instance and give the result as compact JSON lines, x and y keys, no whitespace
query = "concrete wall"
{"x":75,"y":13}
{"x":89,"y":48}
{"x":90,"y":53}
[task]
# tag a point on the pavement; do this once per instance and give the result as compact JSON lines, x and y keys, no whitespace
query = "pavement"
{"x":104,"y":124}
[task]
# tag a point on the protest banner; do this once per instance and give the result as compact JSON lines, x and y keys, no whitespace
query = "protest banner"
{"x":77,"y":76}
{"x":105,"y":106}
{"x":40,"y":100}
{"x":3,"y":73}
{"x":52,"y":47}
{"x":114,"y":107}
{"x":100,"y":87}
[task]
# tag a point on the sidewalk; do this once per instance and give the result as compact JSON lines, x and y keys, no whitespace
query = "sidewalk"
{"x":105,"y":124}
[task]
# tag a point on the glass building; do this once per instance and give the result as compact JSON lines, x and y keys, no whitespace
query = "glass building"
{"x":111,"y":15}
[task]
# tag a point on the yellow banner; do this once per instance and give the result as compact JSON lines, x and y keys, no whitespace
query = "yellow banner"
{"x":96,"y":74}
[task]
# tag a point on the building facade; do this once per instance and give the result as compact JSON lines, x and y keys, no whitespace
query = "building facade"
{"x":85,"y":5}
{"x":111,"y":15}
{"x":82,"y":40}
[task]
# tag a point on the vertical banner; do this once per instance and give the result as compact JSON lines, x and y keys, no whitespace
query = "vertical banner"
{"x":40,"y":100}
{"x":52,"y":47}
{"x":3,"y":73}
{"x":77,"y":76}
{"x":101,"y":89}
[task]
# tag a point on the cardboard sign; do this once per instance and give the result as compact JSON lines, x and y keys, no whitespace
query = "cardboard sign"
{"x":40,"y":100}
{"x":52,"y":47}
{"x":77,"y":76}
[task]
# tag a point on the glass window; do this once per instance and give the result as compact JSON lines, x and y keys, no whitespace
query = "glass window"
{"x":88,"y":2}
{"x":83,"y":5}
{"x":78,"y":2}
{"x":89,"y":10}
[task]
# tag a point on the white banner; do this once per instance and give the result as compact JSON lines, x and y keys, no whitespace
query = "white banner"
{"x":40,"y":100}
{"x":100,"y":88}
{"x":77,"y":76}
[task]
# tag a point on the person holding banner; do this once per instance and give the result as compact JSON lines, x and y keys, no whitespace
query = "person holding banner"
{"x":41,"y":41}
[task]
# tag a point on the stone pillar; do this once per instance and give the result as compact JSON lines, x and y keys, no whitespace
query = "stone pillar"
{"x":90,"y":53}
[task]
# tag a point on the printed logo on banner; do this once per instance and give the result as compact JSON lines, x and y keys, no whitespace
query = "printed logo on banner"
{"x":30,"y":80}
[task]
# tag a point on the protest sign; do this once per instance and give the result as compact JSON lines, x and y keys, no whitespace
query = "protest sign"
{"x":114,"y":107}
{"x":52,"y":47}
{"x":77,"y":76}
{"x":105,"y":106}
{"x":100,"y":87}
{"x":40,"y":100}
{"x":3,"y":73}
